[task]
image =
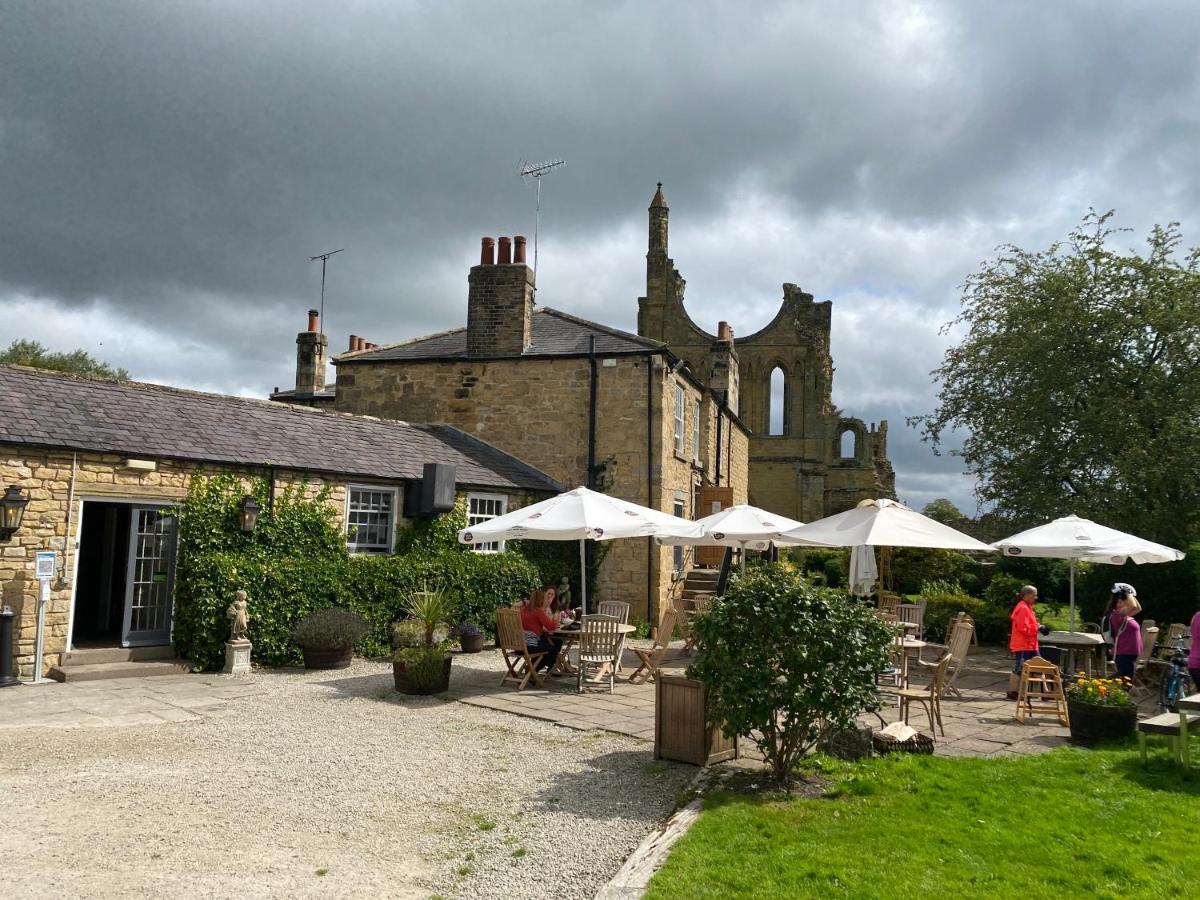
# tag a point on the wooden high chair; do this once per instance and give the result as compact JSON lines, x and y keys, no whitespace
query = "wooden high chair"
{"x":1041,"y":680}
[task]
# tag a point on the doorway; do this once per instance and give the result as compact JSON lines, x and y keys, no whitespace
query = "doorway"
{"x":126,"y":574}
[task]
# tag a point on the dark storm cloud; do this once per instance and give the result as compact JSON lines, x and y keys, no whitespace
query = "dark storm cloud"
{"x":169,"y":167}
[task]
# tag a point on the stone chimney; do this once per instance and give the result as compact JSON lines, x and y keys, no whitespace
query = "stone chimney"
{"x":725,"y":376}
{"x":500,"y":300}
{"x":311,"y":350}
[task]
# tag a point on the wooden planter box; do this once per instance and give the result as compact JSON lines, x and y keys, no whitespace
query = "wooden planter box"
{"x":1091,"y":723}
{"x":682,"y":730}
{"x":322,"y":658}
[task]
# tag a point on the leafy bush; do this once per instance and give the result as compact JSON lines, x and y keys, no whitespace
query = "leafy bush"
{"x":423,"y":666}
{"x":408,"y":633}
{"x":788,"y":663}
{"x":1003,"y":589}
{"x":330,"y":629}
{"x":1168,"y":592}
{"x":430,"y":608}
{"x":992,"y":623}
{"x":911,"y":565}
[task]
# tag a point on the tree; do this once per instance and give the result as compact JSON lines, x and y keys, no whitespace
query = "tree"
{"x":944,"y":511}
{"x":788,"y":663}
{"x":1078,"y":382}
{"x":79,"y":362}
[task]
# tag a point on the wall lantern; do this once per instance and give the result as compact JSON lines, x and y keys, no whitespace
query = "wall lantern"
{"x":12,"y":510}
{"x":249,"y":513}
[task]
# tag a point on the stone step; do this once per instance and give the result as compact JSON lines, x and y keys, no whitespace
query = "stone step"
{"x":90,"y":656}
{"x":128,"y":669}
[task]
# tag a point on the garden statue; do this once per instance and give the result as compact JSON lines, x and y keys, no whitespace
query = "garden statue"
{"x":564,"y":594}
{"x":239,"y":616}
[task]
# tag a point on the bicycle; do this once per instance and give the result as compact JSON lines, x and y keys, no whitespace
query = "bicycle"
{"x":1177,"y":682}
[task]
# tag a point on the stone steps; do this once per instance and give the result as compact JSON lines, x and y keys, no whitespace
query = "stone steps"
{"x":126,"y":669}
{"x":97,"y":655}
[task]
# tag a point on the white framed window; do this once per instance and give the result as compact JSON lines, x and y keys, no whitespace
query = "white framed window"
{"x":680,"y":416}
{"x":370,"y":518}
{"x":480,"y":508}
{"x":680,"y":510}
{"x":696,"y":455}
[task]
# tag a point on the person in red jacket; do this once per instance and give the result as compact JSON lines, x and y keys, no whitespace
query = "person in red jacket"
{"x":1023,"y":641}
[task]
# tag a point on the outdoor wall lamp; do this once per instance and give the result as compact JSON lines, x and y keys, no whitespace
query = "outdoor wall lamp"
{"x":12,"y":511}
{"x":249,"y":513}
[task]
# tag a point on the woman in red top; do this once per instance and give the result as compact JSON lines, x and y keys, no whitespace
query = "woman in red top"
{"x":1023,"y":641}
{"x":537,"y":624}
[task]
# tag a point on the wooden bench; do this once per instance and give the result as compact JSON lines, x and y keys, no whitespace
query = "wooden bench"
{"x":1174,"y":727}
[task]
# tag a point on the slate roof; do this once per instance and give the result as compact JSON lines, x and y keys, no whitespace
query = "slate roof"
{"x":555,"y":333}
{"x":149,"y":420}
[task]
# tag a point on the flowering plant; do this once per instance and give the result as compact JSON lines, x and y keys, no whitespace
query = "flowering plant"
{"x":1100,"y":691}
{"x":465,"y":629}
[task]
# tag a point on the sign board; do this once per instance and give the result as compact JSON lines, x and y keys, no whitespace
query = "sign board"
{"x":46,"y":563}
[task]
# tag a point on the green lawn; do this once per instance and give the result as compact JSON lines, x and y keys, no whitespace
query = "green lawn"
{"x":1064,"y":824}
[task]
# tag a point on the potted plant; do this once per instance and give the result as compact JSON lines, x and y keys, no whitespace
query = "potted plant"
{"x":425,"y":669}
{"x":1100,"y":710}
{"x":469,"y":637}
{"x":327,"y":637}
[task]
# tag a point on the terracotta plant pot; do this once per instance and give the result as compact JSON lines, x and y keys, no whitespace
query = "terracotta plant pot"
{"x":325,"y":658}
{"x":405,"y":685}
{"x":471,"y":643}
{"x":1091,"y":723}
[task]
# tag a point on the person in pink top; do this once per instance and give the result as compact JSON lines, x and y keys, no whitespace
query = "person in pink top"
{"x":1126,"y":632}
{"x":1194,"y":653}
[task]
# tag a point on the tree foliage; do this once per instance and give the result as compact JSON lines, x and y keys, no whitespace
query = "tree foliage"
{"x":1077,"y":382}
{"x":78,"y":362}
{"x":788,"y":663}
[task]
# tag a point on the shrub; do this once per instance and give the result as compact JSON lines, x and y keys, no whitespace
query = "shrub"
{"x":423,"y":666}
{"x":911,"y":565}
{"x":992,"y":623}
{"x":430,"y":608}
{"x":330,"y":629}
{"x":408,"y":633}
{"x":1003,"y":590}
{"x":788,"y":663}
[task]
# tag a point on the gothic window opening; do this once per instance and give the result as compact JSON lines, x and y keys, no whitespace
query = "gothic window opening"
{"x":775,"y":424}
{"x":849,"y":444}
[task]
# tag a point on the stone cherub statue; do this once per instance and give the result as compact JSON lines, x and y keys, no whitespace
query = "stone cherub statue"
{"x":564,"y":593}
{"x":239,"y":617}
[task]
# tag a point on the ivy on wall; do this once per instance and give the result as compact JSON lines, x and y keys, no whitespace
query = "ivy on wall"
{"x":296,"y":562}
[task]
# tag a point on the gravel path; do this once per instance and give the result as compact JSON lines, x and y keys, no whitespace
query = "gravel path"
{"x":327,"y":784}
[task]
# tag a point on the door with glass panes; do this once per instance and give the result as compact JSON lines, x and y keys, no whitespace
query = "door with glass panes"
{"x":150,"y":576}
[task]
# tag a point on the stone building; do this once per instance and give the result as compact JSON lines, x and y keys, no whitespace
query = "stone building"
{"x":808,"y":459}
{"x":585,"y":403}
{"x":102,"y":464}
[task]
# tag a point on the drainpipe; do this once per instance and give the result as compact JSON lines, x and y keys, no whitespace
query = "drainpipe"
{"x":64,"y":577}
{"x":720,"y":422}
{"x":591,"y":464}
{"x":652,"y":608}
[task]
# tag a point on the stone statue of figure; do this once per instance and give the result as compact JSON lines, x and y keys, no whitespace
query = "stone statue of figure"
{"x":239,"y":617}
{"x":564,"y":594}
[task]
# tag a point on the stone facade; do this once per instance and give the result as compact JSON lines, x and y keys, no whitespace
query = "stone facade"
{"x":801,"y":471}
{"x":59,"y":482}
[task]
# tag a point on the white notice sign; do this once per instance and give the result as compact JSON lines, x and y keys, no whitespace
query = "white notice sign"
{"x":46,"y":561}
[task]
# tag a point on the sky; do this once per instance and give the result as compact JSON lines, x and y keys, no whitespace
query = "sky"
{"x":168,"y":168}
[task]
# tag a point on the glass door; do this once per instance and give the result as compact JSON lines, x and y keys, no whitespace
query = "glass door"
{"x":149,"y":577}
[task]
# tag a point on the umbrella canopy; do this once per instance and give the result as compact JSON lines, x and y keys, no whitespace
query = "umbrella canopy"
{"x":1072,"y":537}
{"x":1075,"y":538}
{"x":580,"y":515}
{"x":735,"y":526}
{"x":881,"y":523}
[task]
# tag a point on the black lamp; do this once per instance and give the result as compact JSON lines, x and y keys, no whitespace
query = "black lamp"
{"x":249,"y":513}
{"x":12,"y":510}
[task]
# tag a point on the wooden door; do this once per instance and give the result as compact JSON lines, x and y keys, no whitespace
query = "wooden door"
{"x":712,"y":500}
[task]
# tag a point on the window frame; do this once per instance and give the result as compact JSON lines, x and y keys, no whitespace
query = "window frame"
{"x":486,"y":546}
{"x":680,"y":417}
{"x":351,"y":544}
{"x":696,"y":418}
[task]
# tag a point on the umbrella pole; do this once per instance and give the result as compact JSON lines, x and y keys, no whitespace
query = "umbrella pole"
{"x":583,"y":575}
{"x":743,"y":557}
{"x":1071,"y":618}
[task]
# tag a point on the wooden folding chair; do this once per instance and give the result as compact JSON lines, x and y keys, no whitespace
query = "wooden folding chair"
{"x":619,"y":610}
{"x":957,"y":644}
{"x":521,"y":664}
{"x":686,"y":617}
{"x":651,"y":659}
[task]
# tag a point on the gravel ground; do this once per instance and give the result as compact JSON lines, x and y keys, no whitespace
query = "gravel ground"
{"x":327,"y":784}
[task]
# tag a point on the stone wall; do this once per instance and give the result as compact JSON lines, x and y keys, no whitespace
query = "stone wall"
{"x":56,"y":481}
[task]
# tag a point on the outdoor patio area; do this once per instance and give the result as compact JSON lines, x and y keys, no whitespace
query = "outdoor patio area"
{"x":982,"y":723}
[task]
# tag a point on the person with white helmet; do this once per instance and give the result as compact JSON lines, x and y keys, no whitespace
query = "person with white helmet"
{"x":1126,"y":632}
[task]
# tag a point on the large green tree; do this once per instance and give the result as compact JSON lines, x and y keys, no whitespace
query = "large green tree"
{"x":78,"y":362}
{"x":1077,"y":382}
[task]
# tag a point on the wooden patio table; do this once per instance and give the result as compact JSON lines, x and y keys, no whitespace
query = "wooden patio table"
{"x":1185,"y":705}
{"x":1075,"y":642}
{"x":571,"y":635}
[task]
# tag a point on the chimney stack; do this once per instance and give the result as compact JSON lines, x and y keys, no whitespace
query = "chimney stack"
{"x":724,"y":333}
{"x":500,"y":301}
{"x":519,"y":250}
{"x":311,"y":350}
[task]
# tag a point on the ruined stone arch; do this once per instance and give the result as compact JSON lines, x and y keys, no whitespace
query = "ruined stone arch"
{"x":857,"y":444}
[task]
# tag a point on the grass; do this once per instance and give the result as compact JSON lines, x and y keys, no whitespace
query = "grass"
{"x":1069,"y":823}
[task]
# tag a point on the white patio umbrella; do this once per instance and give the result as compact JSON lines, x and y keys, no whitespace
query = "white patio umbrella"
{"x":1074,"y":538}
{"x":578,"y":515}
{"x":878,"y":523}
{"x":741,"y":526}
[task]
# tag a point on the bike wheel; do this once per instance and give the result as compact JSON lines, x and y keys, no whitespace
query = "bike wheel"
{"x":1171,"y":692}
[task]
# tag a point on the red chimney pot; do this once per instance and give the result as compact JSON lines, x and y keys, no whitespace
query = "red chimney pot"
{"x":519,"y":249}
{"x":505,"y":254}
{"x":354,"y":339}
{"x":487,"y":252}
{"x":314,"y":320}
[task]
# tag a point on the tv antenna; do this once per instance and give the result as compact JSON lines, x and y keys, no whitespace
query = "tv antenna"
{"x":324,"y":258}
{"x":535,"y":171}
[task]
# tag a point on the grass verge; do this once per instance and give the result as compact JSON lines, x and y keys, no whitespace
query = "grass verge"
{"x":1068,"y":823}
